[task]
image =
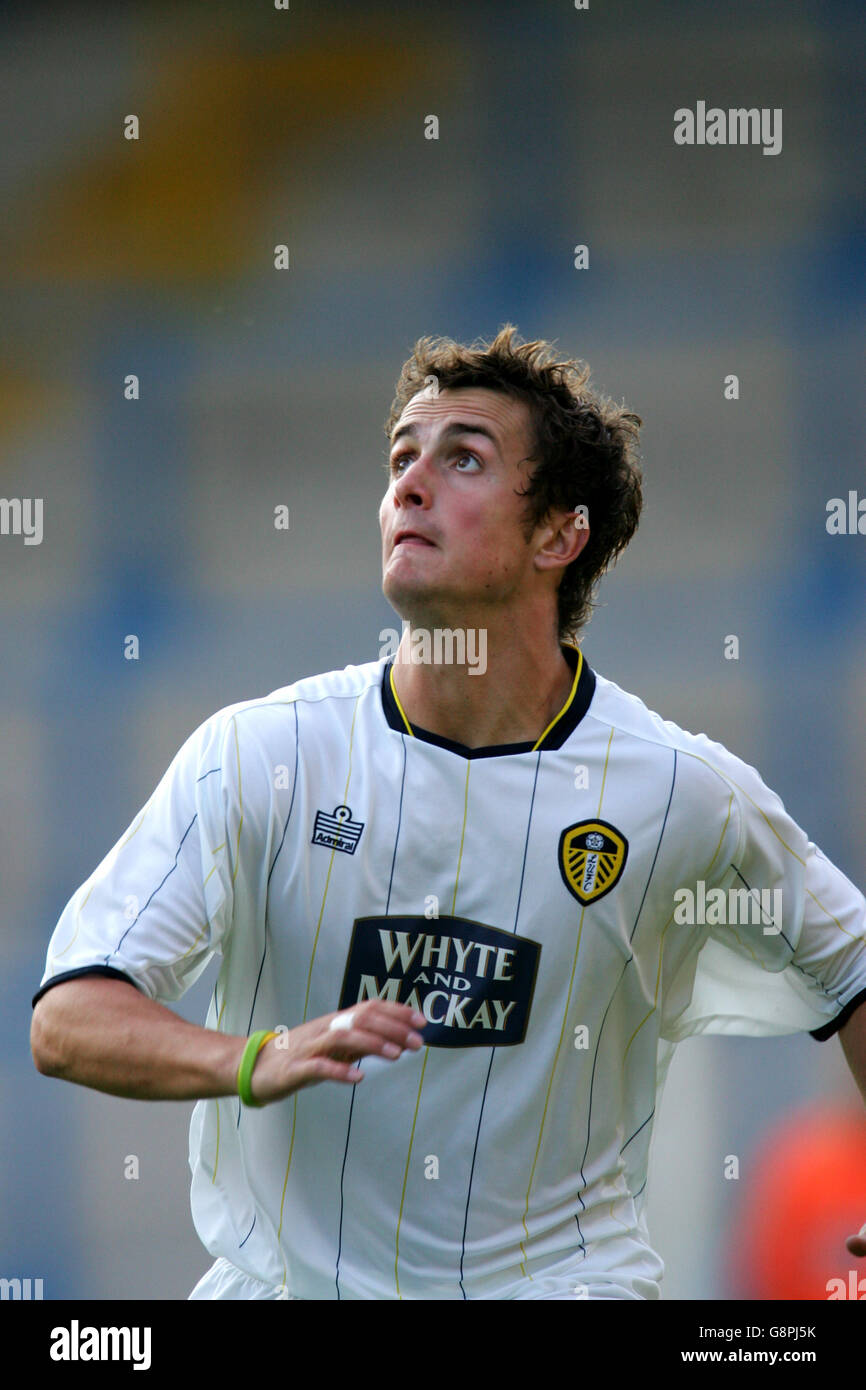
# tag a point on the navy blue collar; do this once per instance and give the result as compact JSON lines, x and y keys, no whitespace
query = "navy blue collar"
{"x":554,"y":737}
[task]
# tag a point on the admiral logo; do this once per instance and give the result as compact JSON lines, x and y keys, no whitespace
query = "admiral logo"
{"x":473,"y":983}
{"x":338,"y":831}
{"x":592,"y":857}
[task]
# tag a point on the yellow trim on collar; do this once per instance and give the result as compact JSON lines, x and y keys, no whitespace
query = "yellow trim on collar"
{"x":409,"y":728}
{"x":556,"y":718}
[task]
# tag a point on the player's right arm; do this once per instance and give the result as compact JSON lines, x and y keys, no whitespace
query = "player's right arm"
{"x":160,"y":905}
{"x":106,"y":1034}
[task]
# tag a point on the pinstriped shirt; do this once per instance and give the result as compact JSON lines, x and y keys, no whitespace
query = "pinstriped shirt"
{"x":562,"y":912}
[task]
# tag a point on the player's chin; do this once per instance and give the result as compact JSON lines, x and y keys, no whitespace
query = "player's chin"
{"x":403,"y":588}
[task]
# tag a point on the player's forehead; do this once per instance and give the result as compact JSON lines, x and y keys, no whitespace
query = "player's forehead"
{"x":502,"y":417}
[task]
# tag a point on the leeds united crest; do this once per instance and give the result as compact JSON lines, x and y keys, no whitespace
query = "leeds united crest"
{"x":592,"y":856}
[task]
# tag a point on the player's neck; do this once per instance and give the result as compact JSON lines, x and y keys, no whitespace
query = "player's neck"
{"x":481,"y":687}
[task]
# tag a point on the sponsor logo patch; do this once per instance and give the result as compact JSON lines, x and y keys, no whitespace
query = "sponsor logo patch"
{"x":337,"y":831}
{"x":592,"y":857}
{"x":473,"y":983}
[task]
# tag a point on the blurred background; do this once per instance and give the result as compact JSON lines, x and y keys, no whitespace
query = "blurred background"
{"x":261,"y":387}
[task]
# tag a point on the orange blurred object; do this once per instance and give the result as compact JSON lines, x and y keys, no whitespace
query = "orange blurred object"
{"x":806,"y":1194}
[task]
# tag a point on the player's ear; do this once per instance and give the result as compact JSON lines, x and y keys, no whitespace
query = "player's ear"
{"x":563,"y":536}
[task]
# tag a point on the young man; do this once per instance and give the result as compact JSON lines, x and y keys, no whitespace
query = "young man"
{"x":477,"y":880}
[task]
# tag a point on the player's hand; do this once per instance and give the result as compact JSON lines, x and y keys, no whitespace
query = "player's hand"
{"x":327,"y":1048}
{"x":856,"y":1245}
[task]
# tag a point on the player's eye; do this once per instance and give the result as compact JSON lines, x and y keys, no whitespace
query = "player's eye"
{"x":464,"y":462}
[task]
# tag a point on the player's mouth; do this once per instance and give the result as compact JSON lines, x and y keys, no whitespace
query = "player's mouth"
{"x":408,"y":537}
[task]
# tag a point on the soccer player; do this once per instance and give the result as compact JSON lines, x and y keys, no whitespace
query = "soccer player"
{"x":479,"y":869}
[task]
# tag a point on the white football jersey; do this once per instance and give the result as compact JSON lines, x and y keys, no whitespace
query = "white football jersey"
{"x":562,"y":914}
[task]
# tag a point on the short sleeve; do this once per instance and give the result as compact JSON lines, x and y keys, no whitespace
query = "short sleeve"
{"x":160,"y":903}
{"x":784,"y":943}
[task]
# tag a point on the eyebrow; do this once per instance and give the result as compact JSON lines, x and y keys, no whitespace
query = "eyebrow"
{"x":449,"y":432}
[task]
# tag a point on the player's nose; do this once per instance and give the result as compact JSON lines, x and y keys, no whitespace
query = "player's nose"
{"x":414,"y":484}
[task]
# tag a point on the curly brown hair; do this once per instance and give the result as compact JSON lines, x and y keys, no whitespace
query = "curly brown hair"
{"x":586,"y":446}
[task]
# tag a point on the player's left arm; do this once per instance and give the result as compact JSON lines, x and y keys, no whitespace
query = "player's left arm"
{"x":822,"y":939}
{"x":852,"y":1036}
